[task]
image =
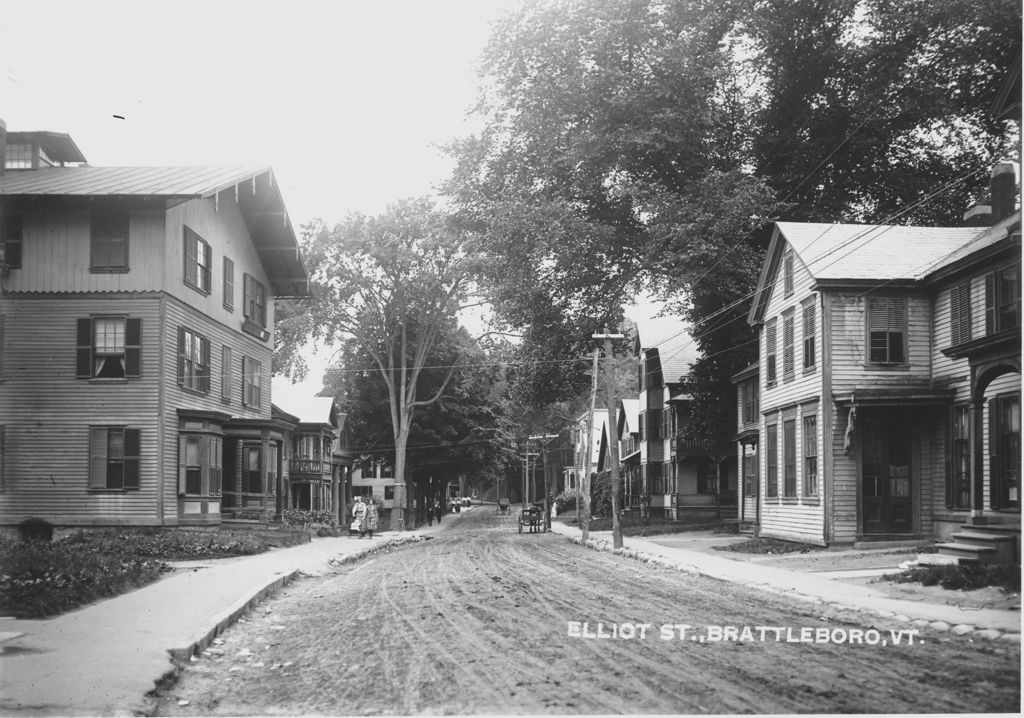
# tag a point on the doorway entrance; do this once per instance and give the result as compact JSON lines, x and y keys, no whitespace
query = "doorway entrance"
{"x":886,"y":484}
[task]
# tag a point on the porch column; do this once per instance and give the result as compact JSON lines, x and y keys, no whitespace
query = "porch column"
{"x":265,"y":473}
{"x":977,"y":443}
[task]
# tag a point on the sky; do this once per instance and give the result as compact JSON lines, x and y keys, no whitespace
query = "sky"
{"x":349,"y":101}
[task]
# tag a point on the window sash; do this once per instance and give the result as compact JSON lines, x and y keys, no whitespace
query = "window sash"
{"x":771,"y":457}
{"x":109,"y":240}
{"x":193,"y":360}
{"x":251,"y":382}
{"x":255,"y":303}
{"x":789,"y":457}
{"x":810,"y":436}
{"x":108,"y":347}
{"x":887,"y":320}
{"x":114,"y":456}
{"x":12,"y":241}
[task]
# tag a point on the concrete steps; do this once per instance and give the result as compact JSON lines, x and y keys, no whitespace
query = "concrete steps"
{"x":984,"y":543}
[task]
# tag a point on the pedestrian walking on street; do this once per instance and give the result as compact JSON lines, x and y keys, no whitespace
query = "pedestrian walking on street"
{"x":359,"y":516}
{"x":371,"y":517}
{"x":438,"y":510}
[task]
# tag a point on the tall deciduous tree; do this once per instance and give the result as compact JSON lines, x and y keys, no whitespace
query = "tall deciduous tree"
{"x":394,"y":285}
{"x":648,"y":144}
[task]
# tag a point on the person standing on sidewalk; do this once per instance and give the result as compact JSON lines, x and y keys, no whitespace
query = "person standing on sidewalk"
{"x":438,"y":510}
{"x":359,"y":516}
{"x":371,"y":517}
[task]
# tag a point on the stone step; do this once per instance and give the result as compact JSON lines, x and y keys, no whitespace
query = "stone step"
{"x":983,"y":554}
{"x":937,"y":559}
{"x":982,"y":537}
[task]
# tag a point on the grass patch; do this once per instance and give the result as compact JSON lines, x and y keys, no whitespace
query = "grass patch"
{"x":769,"y":546}
{"x":40,"y":579}
{"x":964,"y":577}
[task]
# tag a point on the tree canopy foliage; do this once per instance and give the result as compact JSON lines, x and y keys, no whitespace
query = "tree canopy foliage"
{"x":646,"y":145}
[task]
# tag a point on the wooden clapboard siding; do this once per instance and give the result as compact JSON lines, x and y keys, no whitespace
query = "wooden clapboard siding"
{"x":850,"y":368}
{"x":46,"y":412}
{"x":844,"y":518}
{"x":56,"y":252}
{"x":222,"y":227}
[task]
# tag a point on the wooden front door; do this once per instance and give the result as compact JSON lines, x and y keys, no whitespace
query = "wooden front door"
{"x":1004,"y":449}
{"x":886,"y":485}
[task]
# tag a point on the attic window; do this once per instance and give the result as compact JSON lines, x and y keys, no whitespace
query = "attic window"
{"x":18,"y":156}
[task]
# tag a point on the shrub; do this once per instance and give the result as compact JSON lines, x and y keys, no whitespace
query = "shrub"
{"x":36,"y":529}
{"x":170,"y":544}
{"x":322,"y":523}
{"x":39,"y":579}
{"x":965,"y":577}
{"x":565,"y":501}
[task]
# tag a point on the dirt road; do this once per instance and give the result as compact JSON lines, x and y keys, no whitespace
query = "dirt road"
{"x":482,"y":619}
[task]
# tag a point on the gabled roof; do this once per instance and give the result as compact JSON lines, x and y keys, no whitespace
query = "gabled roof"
{"x":858,"y":254}
{"x":307,"y":409}
{"x":629,"y":416}
{"x":252,"y":186}
{"x":988,"y":237}
{"x":670,"y":337}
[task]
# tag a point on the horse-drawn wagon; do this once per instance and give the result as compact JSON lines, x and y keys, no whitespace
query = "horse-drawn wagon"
{"x":532,"y":517}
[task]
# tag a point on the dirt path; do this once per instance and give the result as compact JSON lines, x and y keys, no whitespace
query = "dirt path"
{"x":477,"y":621}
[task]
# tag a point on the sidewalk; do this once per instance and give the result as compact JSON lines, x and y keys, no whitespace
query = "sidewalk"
{"x":103,"y":659}
{"x":813,"y":587}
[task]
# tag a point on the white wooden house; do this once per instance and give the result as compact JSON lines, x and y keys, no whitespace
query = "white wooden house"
{"x":136,"y":334}
{"x":889,"y":379}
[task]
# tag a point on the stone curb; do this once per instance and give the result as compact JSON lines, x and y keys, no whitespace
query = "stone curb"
{"x":963,"y":629}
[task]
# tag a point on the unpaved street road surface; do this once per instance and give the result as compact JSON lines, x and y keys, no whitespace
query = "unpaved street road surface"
{"x":482,"y":619}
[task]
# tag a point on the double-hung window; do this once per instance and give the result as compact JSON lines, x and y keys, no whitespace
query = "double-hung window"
{"x":255,"y":302}
{"x":198,"y":258}
{"x":193,"y":360}
{"x":251,"y":382}
{"x":108,"y":348}
{"x":887,"y":330}
{"x":810,"y":455}
{"x":771,"y":460}
{"x":109,"y":241}
{"x":789,"y":457}
{"x":1002,"y":300}
{"x":200,"y":471}
{"x":958,"y":491}
{"x":114,"y":457}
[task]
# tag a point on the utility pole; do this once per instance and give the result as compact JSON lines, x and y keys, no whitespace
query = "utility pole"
{"x":588,"y":445}
{"x":546,"y":483}
{"x":613,"y":433}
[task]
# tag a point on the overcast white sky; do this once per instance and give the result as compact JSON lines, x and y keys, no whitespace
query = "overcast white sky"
{"x":348,"y":100}
{"x":345,"y":99}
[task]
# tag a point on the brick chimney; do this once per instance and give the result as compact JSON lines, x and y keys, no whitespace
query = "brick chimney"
{"x":1004,"y":191}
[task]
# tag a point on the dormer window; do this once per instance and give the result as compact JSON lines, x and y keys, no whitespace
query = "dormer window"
{"x":18,"y":156}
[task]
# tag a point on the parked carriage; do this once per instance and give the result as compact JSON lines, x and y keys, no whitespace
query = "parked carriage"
{"x":532,"y":517}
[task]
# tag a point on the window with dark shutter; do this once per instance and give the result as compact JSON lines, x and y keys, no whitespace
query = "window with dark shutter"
{"x":225,"y":373}
{"x":108,"y":347}
{"x":229,"y":284}
{"x":1002,"y":300}
{"x":960,"y":313}
{"x":193,"y":360}
{"x":10,"y":249}
{"x":770,"y":350}
{"x":788,"y":345}
{"x":789,"y":457}
{"x":114,"y":457}
{"x":808,"y":335}
{"x":198,"y":256}
{"x":787,"y":272}
{"x":887,"y":326}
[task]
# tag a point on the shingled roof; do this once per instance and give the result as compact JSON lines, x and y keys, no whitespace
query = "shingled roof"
{"x":670,"y":337}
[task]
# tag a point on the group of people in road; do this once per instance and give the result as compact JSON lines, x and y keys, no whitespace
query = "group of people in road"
{"x":364,"y":516}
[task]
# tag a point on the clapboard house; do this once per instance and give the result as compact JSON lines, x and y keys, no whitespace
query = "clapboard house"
{"x":887,"y":403}
{"x":136,"y":334}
